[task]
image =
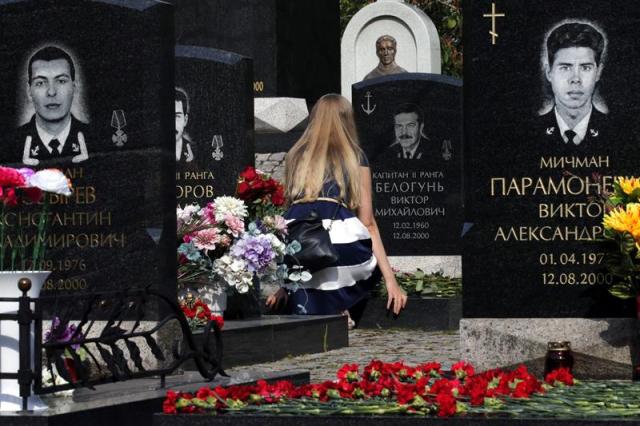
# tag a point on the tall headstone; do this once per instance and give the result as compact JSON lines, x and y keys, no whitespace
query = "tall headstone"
{"x":294,"y":44}
{"x":414,"y":40}
{"x":410,"y":127}
{"x":214,"y":122}
{"x":106,"y":69}
{"x":550,"y":109}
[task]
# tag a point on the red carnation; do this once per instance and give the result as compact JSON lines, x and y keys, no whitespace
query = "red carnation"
{"x":218,"y":320}
{"x":446,"y":405}
{"x":462,"y":369}
{"x":249,"y":173}
{"x":562,"y":375}
{"x":243,"y":190}
{"x":348,"y":372}
{"x":11,"y":177}
{"x":169,"y":404}
{"x":9,"y":197}
{"x":277,"y":198}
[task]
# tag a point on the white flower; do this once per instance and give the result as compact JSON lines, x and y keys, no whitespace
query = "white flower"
{"x":185,"y":215}
{"x":238,"y":265}
{"x":51,"y":180}
{"x":278,"y":246}
{"x":234,"y":272}
{"x":229,"y":205}
{"x":243,"y":287}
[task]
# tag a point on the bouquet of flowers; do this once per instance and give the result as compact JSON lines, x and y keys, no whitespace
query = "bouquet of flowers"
{"x":263,"y":194}
{"x":24,"y":186}
{"x":198,"y":313}
{"x":230,"y":240}
{"x":65,"y":364}
{"x":622,"y":229}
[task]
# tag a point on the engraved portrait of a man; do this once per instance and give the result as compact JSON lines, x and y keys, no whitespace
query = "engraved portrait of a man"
{"x":52,"y":132}
{"x":573,"y":59}
{"x":184,"y":151}
{"x":408,"y":127}
{"x":386,"y":48}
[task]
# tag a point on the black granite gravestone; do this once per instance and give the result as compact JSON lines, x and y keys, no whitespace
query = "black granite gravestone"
{"x":295,"y":44}
{"x":214,"y":115}
{"x":416,"y":190}
{"x":531,"y":190}
{"x":112,"y":63}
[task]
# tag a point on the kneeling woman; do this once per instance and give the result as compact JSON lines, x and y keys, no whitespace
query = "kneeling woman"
{"x":327,"y":171}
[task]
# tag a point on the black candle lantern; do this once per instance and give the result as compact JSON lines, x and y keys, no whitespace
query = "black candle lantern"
{"x":558,"y":356}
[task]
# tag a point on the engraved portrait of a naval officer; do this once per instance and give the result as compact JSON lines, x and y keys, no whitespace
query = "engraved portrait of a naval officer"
{"x":52,"y":131}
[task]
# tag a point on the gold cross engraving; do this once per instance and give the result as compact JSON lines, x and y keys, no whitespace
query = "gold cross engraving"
{"x":493,"y":15}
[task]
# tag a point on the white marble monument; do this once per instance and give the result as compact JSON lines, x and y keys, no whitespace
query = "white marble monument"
{"x":417,"y":41}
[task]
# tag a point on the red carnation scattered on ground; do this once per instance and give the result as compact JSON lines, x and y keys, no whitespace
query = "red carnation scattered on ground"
{"x":396,"y":387}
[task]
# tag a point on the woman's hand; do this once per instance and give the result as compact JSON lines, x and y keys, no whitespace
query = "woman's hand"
{"x":396,"y":297}
{"x":277,"y":298}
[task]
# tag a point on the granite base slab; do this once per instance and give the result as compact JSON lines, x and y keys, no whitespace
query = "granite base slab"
{"x":603,"y":348}
{"x":273,"y":337}
{"x":131,"y":403}
{"x":429,"y":314}
{"x":251,"y":420}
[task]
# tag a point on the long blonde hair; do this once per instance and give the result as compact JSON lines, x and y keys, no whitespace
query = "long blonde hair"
{"x":327,"y":150}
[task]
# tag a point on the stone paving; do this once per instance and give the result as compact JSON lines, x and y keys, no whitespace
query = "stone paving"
{"x":412,"y":346}
{"x":272,"y":163}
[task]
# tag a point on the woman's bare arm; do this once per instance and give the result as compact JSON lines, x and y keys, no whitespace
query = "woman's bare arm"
{"x":397,"y":298}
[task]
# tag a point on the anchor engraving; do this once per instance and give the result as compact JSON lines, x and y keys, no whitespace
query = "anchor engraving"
{"x":369,"y":109}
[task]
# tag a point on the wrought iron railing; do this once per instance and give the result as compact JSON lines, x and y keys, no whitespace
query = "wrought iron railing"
{"x":100,"y":338}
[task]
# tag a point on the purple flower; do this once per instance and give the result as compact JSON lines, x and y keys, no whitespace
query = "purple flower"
{"x":59,"y":334}
{"x":255,"y":250}
{"x":26,"y":173}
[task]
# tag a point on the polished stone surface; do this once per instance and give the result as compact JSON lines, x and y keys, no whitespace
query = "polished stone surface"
{"x":219,"y":87}
{"x":429,"y":314}
{"x":295,"y":44}
{"x":417,"y":196}
{"x":117,"y":230}
{"x":132,"y":403}
{"x":273,"y":337}
{"x":531,"y":197}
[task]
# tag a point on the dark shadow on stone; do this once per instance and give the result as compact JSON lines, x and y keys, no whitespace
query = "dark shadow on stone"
{"x":625,"y":333}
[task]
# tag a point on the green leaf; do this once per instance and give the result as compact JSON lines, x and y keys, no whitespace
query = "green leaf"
{"x":622,"y":290}
{"x":628,"y":243}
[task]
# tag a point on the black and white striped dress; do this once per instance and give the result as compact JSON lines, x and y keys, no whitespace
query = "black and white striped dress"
{"x":349,"y":280}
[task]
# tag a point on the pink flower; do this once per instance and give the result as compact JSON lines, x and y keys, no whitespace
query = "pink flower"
{"x":224,"y":240}
{"x":235,"y":224}
{"x":280,"y":224}
{"x":209,"y":213}
{"x":206,"y":239}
